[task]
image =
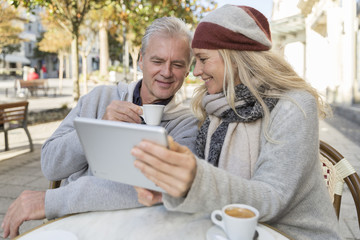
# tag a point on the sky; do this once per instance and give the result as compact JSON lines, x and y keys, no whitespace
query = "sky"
{"x":264,"y":6}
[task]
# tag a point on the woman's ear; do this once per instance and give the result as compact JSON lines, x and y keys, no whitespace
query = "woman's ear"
{"x":236,"y":74}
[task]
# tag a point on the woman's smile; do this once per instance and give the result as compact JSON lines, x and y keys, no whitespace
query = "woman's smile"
{"x":210,"y":67}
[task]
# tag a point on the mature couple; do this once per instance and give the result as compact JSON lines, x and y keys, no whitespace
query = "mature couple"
{"x":257,"y":140}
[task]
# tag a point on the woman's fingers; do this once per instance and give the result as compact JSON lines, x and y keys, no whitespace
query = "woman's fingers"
{"x":171,"y":169}
{"x":170,"y":183}
{"x":176,"y":155}
{"x":161,"y":163}
{"x":148,"y":197}
{"x":174,"y":146}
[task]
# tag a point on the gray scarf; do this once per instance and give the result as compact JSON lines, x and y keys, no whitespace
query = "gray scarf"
{"x":248,"y":109}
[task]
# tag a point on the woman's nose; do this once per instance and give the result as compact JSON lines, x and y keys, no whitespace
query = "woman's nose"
{"x":197,"y":70}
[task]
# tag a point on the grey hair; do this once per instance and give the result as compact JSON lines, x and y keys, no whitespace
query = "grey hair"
{"x":170,"y":26}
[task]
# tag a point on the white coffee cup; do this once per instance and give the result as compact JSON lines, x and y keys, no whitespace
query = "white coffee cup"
{"x":152,"y":113}
{"x":242,"y":222}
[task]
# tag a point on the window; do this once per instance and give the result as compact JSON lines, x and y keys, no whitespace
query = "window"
{"x":30,"y":49}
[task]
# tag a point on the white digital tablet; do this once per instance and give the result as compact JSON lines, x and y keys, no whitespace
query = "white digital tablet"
{"x":107,"y":146}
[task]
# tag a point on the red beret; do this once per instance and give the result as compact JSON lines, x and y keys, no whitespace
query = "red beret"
{"x":233,"y":27}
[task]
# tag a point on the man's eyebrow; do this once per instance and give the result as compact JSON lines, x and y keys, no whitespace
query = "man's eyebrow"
{"x":161,"y":59}
{"x":156,"y":58}
{"x":179,"y":61}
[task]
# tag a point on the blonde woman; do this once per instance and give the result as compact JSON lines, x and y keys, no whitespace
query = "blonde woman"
{"x":258,"y":141}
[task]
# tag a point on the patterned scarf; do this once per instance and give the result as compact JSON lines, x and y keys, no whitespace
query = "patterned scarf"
{"x":248,"y":110}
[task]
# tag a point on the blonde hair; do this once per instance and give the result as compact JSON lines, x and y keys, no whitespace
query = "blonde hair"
{"x":255,"y":69}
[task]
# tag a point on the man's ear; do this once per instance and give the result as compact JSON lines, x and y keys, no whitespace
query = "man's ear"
{"x":141,"y":62}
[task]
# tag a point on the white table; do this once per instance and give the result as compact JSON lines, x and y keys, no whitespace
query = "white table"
{"x":141,"y":223}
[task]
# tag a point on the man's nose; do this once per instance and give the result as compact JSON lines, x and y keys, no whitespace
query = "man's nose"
{"x":166,"y":71}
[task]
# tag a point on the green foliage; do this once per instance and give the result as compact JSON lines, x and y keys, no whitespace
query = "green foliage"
{"x":64,"y":106}
{"x":55,"y":39}
{"x":38,"y":53}
{"x":70,"y":15}
{"x":9,"y":32}
{"x":9,"y":49}
{"x":118,"y":69}
{"x":29,"y":4}
{"x":115,"y":48}
{"x":97,"y":78}
{"x":140,"y":14}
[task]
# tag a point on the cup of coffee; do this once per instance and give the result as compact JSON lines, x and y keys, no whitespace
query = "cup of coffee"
{"x":238,"y":221}
{"x":152,"y":113}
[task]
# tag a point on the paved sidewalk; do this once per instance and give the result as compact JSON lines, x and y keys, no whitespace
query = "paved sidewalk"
{"x":41,"y":102}
{"x":20,"y":170}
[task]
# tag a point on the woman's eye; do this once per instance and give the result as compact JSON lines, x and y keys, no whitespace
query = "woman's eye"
{"x":202,"y":60}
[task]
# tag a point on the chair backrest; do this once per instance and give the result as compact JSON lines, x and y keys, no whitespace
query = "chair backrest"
{"x":338,"y":170}
{"x":14,"y":114}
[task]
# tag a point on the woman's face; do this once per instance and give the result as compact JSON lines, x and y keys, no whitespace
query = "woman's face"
{"x":210,"y":67}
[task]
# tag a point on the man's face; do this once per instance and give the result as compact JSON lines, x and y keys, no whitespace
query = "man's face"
{"x":165,"y":66}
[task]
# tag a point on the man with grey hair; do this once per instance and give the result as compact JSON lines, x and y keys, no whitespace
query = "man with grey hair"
{"x":165,"y":60}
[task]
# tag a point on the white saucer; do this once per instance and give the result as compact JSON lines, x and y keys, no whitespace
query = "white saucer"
{"x":50,"y":235}
{"x":216,"y":233}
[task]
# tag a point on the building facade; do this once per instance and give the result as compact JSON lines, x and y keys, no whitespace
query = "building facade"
{"x":27,"y":56}
{"x":321,"y":39}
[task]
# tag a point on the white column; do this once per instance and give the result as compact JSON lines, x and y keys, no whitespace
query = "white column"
{"x":334,"y":31}
{"x":349,"y":7}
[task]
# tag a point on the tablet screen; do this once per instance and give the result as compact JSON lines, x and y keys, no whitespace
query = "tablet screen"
{"x":107,"y":146}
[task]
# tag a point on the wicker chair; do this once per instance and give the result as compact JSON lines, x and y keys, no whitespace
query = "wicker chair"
{"x":54,"y":184}
{"x":338,"y":170}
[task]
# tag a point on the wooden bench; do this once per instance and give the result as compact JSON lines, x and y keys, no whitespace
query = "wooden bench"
{"x":34,"y":85}
{"x":13,"y":116}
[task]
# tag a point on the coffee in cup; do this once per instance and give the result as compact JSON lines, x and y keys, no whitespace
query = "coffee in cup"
{"x":239,"y":212}
{"x":239,"y":221}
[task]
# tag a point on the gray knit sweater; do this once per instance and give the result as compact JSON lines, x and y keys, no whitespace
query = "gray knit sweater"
{"x":62,"y":157}
{"x":287,"y":187}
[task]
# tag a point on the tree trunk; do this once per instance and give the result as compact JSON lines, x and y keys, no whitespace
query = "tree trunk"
{"x":75,"y":67}
{"x":84,"y":71}
{"x":104,"y":49}
{"x":125,"y":59}
{"x":61,"y":69}
{"x":4,"y":55}
{"x":134,"y":56}
{"x":67,"y":69}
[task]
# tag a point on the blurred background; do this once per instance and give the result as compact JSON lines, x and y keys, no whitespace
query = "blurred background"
{"x":77,"y":44}
{"x":97,"y":42}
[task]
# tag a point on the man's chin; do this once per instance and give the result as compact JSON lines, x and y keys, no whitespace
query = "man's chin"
{"x":163,"y":95}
